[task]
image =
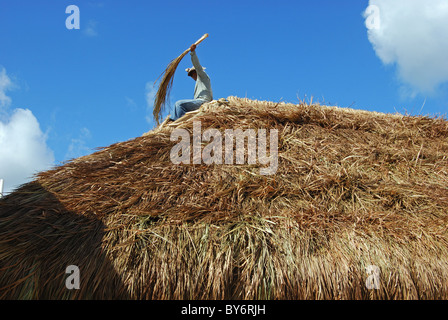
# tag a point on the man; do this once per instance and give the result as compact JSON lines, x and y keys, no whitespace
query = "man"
{"x":202,"y":90}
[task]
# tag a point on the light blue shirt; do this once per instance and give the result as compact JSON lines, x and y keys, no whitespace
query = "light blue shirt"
{"x":203,"y":87}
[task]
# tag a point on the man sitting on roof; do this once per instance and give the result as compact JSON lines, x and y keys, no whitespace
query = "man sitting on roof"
{"x":202,"y":90}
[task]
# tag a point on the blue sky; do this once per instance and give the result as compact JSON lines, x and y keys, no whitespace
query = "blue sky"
{"x":88,"y":88}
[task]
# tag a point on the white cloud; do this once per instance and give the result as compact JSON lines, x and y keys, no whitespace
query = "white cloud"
{"x":150,"y":93}
{"x":412,"y":34}
{"x":5,"y":85}
{"x":130,"y":103}
{"x":96,"y":4}
{"x":78,"y":146}
{"x":23,"y":147}
{"x":91,"y":28}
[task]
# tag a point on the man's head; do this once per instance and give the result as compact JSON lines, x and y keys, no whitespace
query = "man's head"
{"x":193,"y":74}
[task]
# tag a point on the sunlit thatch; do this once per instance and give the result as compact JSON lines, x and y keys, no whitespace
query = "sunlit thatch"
{"x":352,"y":189}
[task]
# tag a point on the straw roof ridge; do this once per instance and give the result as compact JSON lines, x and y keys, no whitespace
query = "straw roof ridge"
{"x":352,"y":189}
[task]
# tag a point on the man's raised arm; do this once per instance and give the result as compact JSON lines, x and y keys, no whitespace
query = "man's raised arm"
{"x":195,"y":60}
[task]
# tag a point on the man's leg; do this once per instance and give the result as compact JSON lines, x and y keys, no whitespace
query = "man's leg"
{"x":183,"y":106}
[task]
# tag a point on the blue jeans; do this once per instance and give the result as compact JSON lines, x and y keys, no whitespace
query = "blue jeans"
{"x":183,"y":106}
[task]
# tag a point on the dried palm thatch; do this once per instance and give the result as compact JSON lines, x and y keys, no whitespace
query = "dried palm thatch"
{"x":352,"y":189}
{"x":167,"y":81}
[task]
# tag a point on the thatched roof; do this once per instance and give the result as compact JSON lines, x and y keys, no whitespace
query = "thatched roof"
{"x":352,"y":189}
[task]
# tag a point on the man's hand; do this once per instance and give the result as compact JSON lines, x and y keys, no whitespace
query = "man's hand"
{"x":192,"y":47}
